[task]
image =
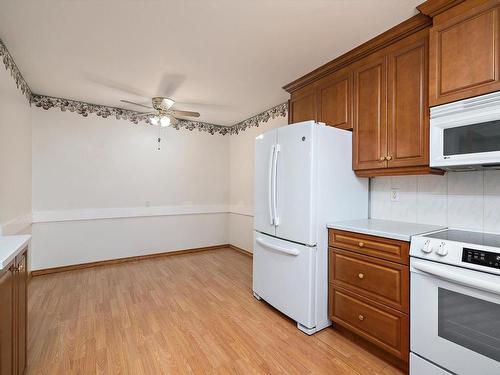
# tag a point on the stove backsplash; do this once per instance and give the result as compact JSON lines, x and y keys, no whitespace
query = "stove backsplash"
{"x":468,"y":200}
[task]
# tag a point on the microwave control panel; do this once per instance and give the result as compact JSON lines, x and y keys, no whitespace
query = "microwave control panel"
{"x":481,"y":258}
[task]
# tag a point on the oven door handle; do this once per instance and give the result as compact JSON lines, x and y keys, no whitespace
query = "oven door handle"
{"x":445,"y":274}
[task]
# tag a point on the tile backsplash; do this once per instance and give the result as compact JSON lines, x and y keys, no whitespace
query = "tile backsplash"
{"x":469,"y":200}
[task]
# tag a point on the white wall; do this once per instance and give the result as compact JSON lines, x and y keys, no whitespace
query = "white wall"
{"x":86,"y":168}
{"x":468,"y":200}
{"x":15,"y":157}
{"x":241,"y":158}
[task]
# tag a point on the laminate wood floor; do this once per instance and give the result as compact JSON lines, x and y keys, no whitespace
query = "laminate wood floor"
{"x":187,"y":314}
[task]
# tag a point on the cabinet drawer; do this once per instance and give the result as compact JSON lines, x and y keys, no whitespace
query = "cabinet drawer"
{"x":384,"y":248}
{"x":382,"y":326}
{"x":383,"y":281}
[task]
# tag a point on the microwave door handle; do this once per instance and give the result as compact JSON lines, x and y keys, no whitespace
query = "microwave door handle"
{"x":281,"y":249}
{"x":270,"y":185}
{"x":456,"y":278}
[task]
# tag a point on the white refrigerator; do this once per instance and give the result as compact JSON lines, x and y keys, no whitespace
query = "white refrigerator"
{"x":303,"y":180}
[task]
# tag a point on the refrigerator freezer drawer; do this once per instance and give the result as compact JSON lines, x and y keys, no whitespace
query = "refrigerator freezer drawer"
{"x":284,"y":276}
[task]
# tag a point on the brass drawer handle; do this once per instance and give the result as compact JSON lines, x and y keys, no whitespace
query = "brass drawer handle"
{"x":389,"y":157}
{"x":20,"y":267}
{"x":361,"y":244}
{"x":361,"y":317}
{"x":361,"y":275}
{"x":382,"y":158}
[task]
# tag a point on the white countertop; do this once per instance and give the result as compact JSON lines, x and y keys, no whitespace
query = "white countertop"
{"x":10,"y":247}
{"x":396,"y":230}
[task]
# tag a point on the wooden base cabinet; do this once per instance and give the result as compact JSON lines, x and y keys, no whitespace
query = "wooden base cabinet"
{"x":369,"y":290}
{"x":13,"y":316}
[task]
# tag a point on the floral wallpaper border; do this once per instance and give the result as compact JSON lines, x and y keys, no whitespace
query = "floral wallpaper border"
{"x":10,"y":64}
{"x":84,"y":109}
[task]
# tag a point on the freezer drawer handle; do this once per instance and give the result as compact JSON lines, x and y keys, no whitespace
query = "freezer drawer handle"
{"x":471,"y":282}
{"x":281,"y":249}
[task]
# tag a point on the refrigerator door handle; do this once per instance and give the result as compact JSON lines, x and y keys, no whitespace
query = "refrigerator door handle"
{"x":275,"y":184}
{"x":280,"y":249}
{"x":270,"y":187}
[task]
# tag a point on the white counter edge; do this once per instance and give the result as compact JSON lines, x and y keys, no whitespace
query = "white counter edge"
{"x":16,"y":249}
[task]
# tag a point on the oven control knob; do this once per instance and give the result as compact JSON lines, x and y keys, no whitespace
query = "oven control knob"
{"x":442,"y":250}
{"x":427,"y":247}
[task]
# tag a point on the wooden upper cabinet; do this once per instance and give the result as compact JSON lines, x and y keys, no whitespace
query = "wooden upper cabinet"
{"x":302,"y":105}
{"x":370,"y":125}
{"x":334,"y":97}
{"x":380,"y":90}
{"x":465,"y":51}
{"x":407,"y":110}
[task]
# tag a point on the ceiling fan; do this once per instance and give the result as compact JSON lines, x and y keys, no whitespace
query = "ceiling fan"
{"x":162,"y":113}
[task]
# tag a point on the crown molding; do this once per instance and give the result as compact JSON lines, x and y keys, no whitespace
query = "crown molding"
{"x":84,"y":108}
{"x":432,"y":8}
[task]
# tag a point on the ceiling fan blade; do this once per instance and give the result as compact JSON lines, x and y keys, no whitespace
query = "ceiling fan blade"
{"x":147,"y":113}
{"x":140,"y":105}
{"x":184,"y":113}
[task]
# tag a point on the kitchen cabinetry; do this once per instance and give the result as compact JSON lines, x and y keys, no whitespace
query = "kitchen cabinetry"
{"x":334,"y":99}
{"x":370,"y":97}
{"x":369,"y":289}
{"x":13,"y":316}
{"x":302,"y":105}
{"x":380,"y":91}
{"x":464,"y":50}
{"x":328,"y":100}
{"x":391,"y":121}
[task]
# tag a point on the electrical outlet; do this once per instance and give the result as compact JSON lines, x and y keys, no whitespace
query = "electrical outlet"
{"x":148,"y":204}
{"x":394,"y":195}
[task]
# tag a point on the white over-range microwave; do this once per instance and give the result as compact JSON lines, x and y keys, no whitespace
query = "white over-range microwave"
{"x":465,"y":135}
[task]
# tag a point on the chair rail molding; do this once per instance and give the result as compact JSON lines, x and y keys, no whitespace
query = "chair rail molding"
{"x":84,"y":108}
{"x":16,"y":225}
{"x":125,"y":212}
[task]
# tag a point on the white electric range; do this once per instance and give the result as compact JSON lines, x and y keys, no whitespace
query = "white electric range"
{"x":455,"y":303}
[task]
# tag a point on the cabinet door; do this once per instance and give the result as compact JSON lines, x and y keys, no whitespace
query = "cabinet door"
{"x":6,"y":321}
{"x":334,"y":95}
{"x":370,"y":123}
{"x":408,"y":112}
{"x":302,"y":105}
{"x":22,"y":311}
{"x":464,"y":52}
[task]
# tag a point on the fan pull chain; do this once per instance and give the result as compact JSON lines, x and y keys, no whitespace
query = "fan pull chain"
{"x":159,"y":137}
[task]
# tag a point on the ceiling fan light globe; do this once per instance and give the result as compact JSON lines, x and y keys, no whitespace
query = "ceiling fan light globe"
{"x":164,"y":121}
{"x":154,"y":120}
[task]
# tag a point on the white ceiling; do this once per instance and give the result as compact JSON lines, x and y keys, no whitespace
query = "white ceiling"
{"x":229,"y":58}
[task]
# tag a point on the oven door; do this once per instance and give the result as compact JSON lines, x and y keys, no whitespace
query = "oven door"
{"x":455,"y":317}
